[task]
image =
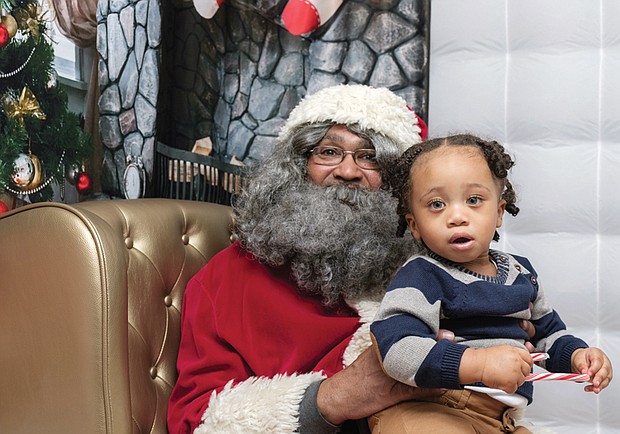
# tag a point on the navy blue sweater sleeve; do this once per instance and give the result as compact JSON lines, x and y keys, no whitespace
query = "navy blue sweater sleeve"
{"x":440,"y":368}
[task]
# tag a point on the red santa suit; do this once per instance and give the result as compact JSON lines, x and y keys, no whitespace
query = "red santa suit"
{"x":251,"y":344}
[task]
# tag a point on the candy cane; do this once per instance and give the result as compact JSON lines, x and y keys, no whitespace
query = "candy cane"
{"x":547,"y":376}
{"x":539,"y":357}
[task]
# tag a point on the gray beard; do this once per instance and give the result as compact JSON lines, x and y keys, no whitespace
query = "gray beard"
{"x":339,"y":241}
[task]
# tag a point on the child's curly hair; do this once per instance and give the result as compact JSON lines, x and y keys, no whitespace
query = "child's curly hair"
{"x":398,"y":177}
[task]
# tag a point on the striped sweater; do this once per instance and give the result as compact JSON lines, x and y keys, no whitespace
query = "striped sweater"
{"x":429,"y":293}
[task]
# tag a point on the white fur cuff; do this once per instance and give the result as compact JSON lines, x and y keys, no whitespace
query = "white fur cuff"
{"x":257,"y":405}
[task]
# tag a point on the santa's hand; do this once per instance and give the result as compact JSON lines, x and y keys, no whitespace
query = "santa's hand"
{"x":529,"y":328}
{"x":595,"y":363}
{"x":362,"y":389}
{"x":445,"y":334}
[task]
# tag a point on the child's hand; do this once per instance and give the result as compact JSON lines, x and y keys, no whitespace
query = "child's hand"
{"x":596,"y":364}
{"x":503,"y":367}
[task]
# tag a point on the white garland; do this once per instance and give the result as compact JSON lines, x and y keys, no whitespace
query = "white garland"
{"x":18,"y":70}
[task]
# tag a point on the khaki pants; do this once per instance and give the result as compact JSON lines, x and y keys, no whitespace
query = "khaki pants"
{"x":454,"y":412}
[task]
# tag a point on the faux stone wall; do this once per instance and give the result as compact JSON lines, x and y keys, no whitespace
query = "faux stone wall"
{"x":128,"y":42}
{"x":236,"y":77}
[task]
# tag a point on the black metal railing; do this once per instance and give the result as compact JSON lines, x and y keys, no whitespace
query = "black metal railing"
{"x":182,"y":174}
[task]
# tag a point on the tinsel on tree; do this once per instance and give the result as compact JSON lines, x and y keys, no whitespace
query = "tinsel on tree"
{"x":39,"y":137}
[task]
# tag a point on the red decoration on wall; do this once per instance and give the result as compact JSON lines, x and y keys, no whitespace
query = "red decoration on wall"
{"x":299,"y":16}
{"x":305,"y":16}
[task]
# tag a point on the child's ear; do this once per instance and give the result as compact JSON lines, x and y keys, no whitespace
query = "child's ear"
{"x":412,"y":226}
{"x":501,"y":207}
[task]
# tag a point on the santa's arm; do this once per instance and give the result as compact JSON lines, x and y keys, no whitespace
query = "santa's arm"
{"x":216,"y":391}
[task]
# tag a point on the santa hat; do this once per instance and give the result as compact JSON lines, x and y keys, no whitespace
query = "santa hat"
{"x":376,"y":109}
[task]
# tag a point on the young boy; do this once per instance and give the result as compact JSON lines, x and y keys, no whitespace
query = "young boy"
{"x":452,"y":194}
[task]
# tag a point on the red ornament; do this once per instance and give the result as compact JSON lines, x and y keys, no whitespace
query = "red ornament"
{"x":4,"y":36}
{"x":84,"y":183}
{"x":3,"y":207}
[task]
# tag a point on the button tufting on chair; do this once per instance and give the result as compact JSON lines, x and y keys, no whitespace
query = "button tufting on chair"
{"x":92,"y":348}
{"x":168,"y":301}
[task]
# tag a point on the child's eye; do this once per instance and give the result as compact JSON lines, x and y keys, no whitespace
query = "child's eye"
{"x":474,"y":200}
{"x":436,"y":204}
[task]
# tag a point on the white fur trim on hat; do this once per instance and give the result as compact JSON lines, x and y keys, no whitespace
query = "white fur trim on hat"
{"x":377,"y":109}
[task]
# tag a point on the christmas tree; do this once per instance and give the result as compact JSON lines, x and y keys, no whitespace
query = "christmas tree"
{"x":39,"y":138}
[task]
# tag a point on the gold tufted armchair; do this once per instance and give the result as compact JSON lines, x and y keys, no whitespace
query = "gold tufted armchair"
{"x":90,"y":300}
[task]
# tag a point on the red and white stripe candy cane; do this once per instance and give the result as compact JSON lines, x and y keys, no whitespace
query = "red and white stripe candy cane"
{"x":539,"y":357}
{"x":547,"y":376}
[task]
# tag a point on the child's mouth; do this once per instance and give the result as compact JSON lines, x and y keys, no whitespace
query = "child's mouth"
{"x":461,"y":240}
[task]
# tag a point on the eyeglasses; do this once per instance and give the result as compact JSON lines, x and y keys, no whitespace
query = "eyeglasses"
{"x":333,"y":156}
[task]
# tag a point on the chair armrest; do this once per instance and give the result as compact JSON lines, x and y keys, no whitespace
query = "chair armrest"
{"x":90,"y":312}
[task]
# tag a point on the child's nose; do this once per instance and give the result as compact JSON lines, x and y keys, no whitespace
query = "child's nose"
{"x":457,"y":216}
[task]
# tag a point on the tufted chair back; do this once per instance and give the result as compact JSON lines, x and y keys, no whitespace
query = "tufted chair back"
{"x":90,"y":301}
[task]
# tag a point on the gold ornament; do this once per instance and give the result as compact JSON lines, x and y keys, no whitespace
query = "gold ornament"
{"x":28,"y":172}
{"x":27,"y":105}
{"x":29,"y":19}
{"x":10,"y":24}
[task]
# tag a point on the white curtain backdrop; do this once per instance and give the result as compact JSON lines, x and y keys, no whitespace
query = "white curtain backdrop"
{"x":543,"y":78}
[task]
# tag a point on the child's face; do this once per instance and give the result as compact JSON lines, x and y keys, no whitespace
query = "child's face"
{"x":455,"y":204}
